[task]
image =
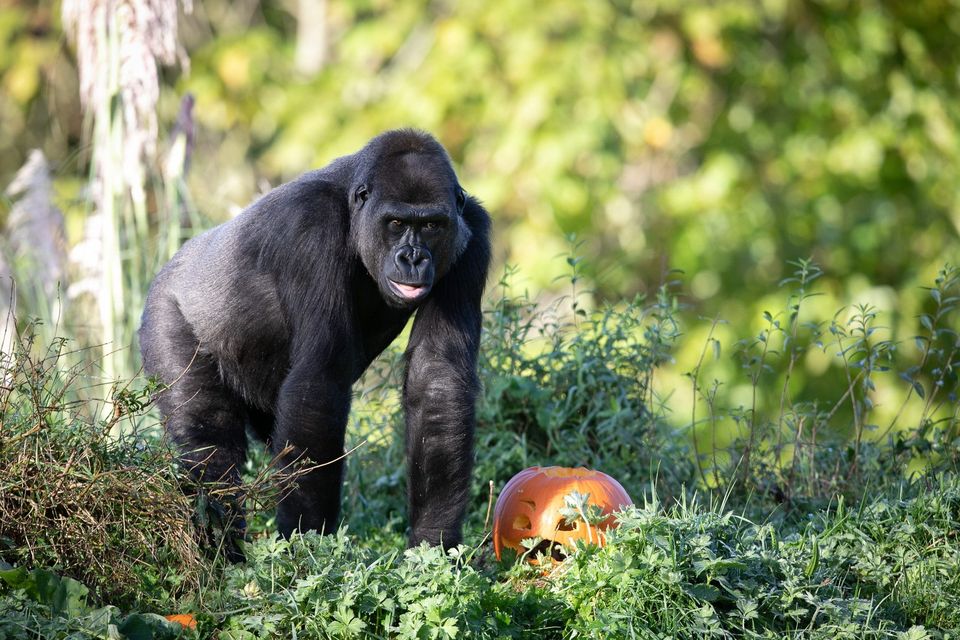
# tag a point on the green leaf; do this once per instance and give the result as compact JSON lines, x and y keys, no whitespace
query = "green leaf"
{"x":147,"y":626}
{"x":814,"y":561}
{"x":702,"y":592}
{"x":70,"y":597}
{"x":64,"y":596}
{"x":916,"y":632}
{"x":914,"y":383}
{"x":15,"y":577}
{"x":722,"y":565}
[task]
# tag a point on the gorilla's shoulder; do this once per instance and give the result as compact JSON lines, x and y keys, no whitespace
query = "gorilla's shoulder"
{"x":315,"y":192}
{"x":319,"y":183}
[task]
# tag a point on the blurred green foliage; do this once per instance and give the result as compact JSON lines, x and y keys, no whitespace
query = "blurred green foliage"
{"x":721,"y":138}
{"x":730,"y":140}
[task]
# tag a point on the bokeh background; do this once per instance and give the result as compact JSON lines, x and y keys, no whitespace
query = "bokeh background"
{"x":709,"y":143}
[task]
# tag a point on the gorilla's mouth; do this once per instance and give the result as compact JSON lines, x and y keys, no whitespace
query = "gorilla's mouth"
{"x":408,"y":291}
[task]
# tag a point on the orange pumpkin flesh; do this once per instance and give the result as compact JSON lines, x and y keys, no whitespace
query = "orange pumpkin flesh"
{"x":185,"y":620}
{"x":529,"y":506}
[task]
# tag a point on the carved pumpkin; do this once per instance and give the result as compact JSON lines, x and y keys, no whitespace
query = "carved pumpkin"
{"x":530,"y":506}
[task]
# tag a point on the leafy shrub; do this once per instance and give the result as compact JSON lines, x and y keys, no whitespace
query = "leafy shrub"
{"x":883,"y":570}
{"x":687,"y":571}
{"x":579,"y":392}
{"x":792,"y":450}
{"x":330,"y":587}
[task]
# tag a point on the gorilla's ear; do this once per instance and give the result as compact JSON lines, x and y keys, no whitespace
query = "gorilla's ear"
{"x":463,"y":231}
{"x":360,"y":195}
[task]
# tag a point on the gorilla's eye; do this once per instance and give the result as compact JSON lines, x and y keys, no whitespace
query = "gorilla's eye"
{"x":431,"y":226}
{"x":395,"y":224}
{"x":361,"y":194}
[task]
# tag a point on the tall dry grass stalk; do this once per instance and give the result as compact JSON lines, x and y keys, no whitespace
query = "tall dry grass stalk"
{"x":120,"y":45}
{"x":32,"y":253}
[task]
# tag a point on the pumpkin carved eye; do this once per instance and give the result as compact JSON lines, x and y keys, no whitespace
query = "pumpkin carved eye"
{"x":531,"y":505}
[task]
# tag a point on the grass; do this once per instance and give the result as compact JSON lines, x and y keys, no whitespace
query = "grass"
{"x":809,"y":522}
{"x":106,"y":511}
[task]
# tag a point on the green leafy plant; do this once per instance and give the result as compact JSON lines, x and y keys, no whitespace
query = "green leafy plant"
{"x":831,"y":537}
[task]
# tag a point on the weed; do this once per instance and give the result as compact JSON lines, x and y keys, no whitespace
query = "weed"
{"x":109,"y":512}
{"x":792,"y":450}
{"x":578,"y":393}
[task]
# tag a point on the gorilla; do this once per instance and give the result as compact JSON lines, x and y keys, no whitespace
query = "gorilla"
{"x":264,"y":322}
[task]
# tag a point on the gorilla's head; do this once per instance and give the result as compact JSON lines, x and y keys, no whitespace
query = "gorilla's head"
{"x":407,"y":214}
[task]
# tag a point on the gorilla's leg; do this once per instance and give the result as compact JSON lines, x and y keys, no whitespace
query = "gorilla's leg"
{"x":204,"y":418}
{"x":311,"y":419}
{"x":207,"y":423}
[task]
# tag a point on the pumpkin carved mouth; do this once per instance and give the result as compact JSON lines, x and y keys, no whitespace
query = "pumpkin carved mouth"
{"x":530,"y":506}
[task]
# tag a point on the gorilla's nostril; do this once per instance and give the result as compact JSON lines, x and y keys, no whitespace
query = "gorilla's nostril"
{"x":403,"y":259}
{"x":411,"y":258}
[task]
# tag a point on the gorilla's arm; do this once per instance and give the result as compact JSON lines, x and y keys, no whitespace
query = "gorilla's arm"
{"x":440,"y":392}
{"x":306,"y":253}
{"x":312,"y":411}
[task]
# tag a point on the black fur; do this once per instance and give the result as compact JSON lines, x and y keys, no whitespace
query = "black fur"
{"x":266,"y":321}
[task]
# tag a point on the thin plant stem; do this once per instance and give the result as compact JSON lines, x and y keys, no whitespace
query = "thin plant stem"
{"x":694,"y":378}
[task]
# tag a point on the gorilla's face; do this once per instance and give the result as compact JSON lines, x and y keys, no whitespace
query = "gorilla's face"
{"x":408,"y":224}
